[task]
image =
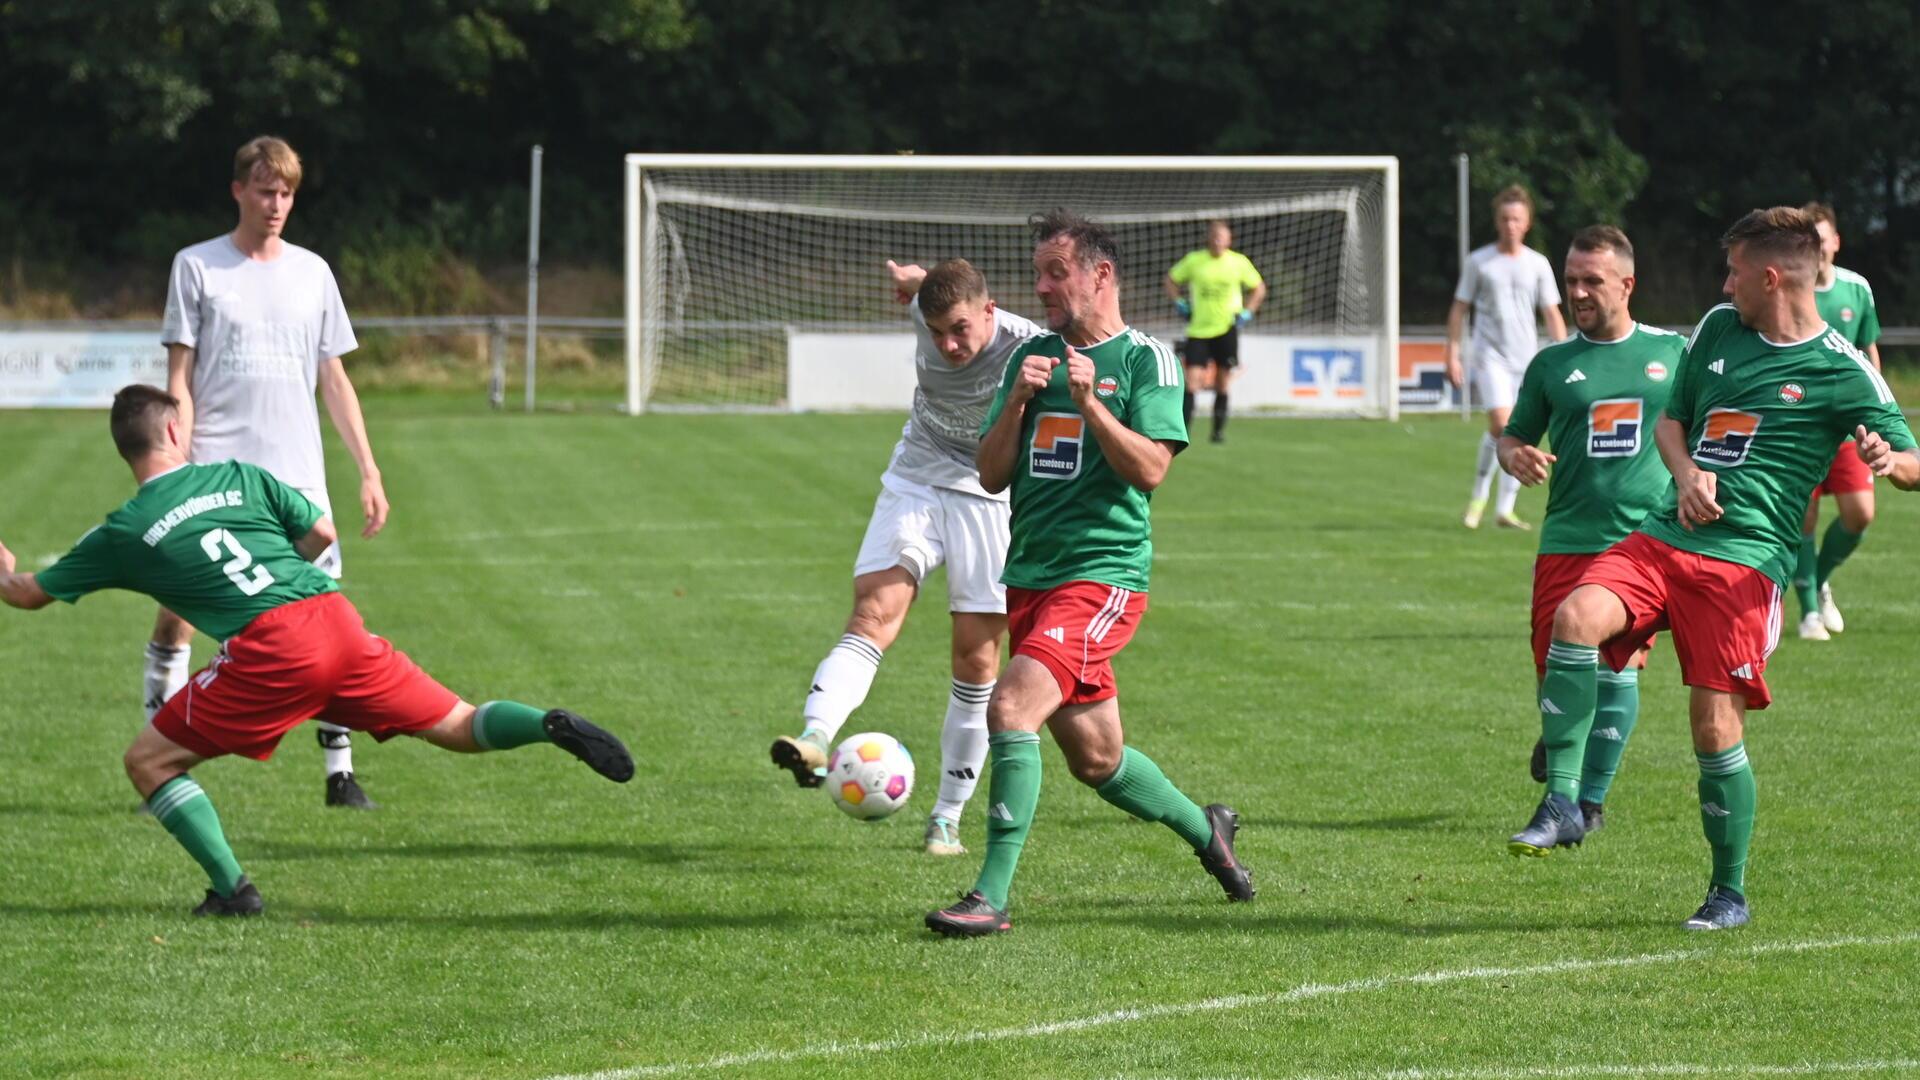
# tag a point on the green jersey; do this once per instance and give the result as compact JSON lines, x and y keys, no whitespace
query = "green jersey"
{"x":1767,"y":419}
{"x":1215,"y":283}
{"x":1847,"y":305}
{"x":212,"y":543}
{"x":1596,"y":402}
{"x":1074,"y":518}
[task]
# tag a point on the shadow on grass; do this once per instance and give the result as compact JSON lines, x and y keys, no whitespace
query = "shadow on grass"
{"x":596,"y":920}
{"x":1396,"y":823}
{"x":649,"y":854}
{"x":1310,"y":924}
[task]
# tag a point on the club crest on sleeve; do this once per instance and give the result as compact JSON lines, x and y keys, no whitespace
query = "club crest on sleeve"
{"x":1792,"y":394}
{"x":1614,"y":427}
{"x":1057,"y":438}
{"x":1728,"y":437}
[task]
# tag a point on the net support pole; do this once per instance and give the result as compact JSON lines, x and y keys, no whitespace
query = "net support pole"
{"x":497,"y":362}
{"x":1466,"y":371}
{"x":533,"y":273}
{"x":633,"y":287}
{"x":1389,"y":368}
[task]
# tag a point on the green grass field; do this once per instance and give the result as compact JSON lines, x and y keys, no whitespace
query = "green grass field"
{"x":1327,"y":650}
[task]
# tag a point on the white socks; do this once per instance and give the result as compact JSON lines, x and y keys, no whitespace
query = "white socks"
{"x":1485,"y":466}
{"x":1509,"y":493}
{"x":963,"y":747}
{"x":164,"y":674}
{"x":337,"y":746}
{"x":840,"y":684}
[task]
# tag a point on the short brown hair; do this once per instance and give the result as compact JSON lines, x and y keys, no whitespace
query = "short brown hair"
{"x":268,"y":154}
{"x":1513,"y":193}
{"x":1783,"y":235}
{"x":139,"y":417}
{"x":949,"y":284}
{"x":1820,"y":212}
{"x":1091,"y":241}
{"x":1604,"y":238}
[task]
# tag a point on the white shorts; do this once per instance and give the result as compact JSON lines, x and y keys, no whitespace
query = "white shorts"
{"x":329,"y":560}
{"x":1498,"y":382}
{"x":920,"y":527}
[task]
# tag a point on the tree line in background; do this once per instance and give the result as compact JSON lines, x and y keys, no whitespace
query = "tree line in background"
{"x":414,"y":119}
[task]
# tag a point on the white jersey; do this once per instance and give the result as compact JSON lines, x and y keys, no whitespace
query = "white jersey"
{"x":942,"y":435}
{"x":259,"y":331}
{"x":1507,"y":293}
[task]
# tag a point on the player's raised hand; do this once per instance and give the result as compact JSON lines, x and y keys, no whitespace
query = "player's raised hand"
{"x":6,"y":560}
{"x":373,"y":506}
{"x":1036,"y":372}
{"x":1698,"y":498}
{"x":1079,"y":377}
{"x":906,"y":280}
{"x":1875,"y":452}
{"x":1528,"y":464}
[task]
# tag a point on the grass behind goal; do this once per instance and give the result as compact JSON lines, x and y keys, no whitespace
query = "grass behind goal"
{"x":1326,"y":650}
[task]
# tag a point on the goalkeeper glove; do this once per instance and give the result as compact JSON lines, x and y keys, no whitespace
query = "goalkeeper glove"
{"x":1183,"y":308}
{"x":1243,"y":318}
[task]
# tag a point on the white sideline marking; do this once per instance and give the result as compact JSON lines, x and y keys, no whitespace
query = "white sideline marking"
{"x":1572,"y":1072}
{"x":1304,"y":992}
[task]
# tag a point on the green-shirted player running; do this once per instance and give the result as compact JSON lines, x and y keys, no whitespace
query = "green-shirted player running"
{"x":1084,"y":427}
{"x":1224,"y":290}
{"x":1594,"y":396}
{"x":1845,"y":300}
{"x":230,"y":548}
{"x":1765,"y":394}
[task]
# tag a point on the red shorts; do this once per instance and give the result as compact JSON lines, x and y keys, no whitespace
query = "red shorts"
{"x":1075,"y":630}
{"x":1847,"y":474}
{"x":1554,"y":577}
{"x":311,"y":659}
{"x":1725,"y":617}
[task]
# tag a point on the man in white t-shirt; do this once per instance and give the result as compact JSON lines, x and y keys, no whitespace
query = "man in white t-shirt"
{"x":1507,"y":286}
{"x":254,"y":325}
{"x":931,"y":510}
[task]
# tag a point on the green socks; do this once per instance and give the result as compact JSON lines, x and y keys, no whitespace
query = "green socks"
{"x":1806,"y":585}
{"x":1617,"y":710}
{"x":1726,"y":812}
{"x":185,"y":811}
{"x":1567,"y":698}
{"x":1834,"y":549}
{"x":1141,"y":789}
{"x":503,"y":725}
{"x":1013,"y":791}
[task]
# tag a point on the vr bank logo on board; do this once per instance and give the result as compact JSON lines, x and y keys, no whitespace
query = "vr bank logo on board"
{"x":1319,"y":373}
{"x":1728,"y":437}
{"x":1056,"y":445}
{"x":1613,"y":428}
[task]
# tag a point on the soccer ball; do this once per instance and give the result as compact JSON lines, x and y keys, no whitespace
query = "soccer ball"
{"x":870,"y":775}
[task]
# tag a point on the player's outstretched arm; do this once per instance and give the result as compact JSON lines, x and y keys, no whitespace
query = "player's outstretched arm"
{"x":19,"y":590}
{"x":906,"y":280}
{"x":318,"y":539}
{"x":343,"y":406}
{"x":1901,"y":467}
{"x":1524,"y":461}
{"x":1697,"y":489}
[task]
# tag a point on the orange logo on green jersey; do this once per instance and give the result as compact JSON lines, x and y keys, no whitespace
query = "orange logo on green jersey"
{"x":1728,"y":437}
{"x":1614,"y":426}
{"x":1056,"y":445}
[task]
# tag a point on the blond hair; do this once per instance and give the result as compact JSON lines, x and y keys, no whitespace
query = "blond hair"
{"x":1513,"y":193}
{"x":270,"y":155}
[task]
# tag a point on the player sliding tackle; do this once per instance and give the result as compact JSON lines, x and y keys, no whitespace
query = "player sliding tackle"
{"x":1595,"y":397}
{"x":1765,"y":394}
{"x":1084,"y":427}
{"x":931,"y":510}
{"x":230,"y":549}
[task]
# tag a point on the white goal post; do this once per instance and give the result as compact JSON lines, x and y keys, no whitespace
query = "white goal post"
{"x":756,"y":282}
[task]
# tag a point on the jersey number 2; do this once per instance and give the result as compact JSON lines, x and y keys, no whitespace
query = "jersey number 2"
{"x":236,"y":567}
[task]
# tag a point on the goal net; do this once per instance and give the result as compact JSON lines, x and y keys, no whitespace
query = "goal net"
{"x":758,"y":282}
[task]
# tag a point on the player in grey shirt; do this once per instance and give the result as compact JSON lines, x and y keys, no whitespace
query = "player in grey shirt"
{"x":931,"y":510}
{"x":1508,"y":287}
{"x":254,"y":326}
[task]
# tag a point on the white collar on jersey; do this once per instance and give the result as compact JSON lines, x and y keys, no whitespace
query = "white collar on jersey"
{"x":1631,"y":330}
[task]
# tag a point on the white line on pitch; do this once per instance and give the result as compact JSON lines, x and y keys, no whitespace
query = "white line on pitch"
{"x":1578,"y":1072}
{"x":1304,"y":992}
